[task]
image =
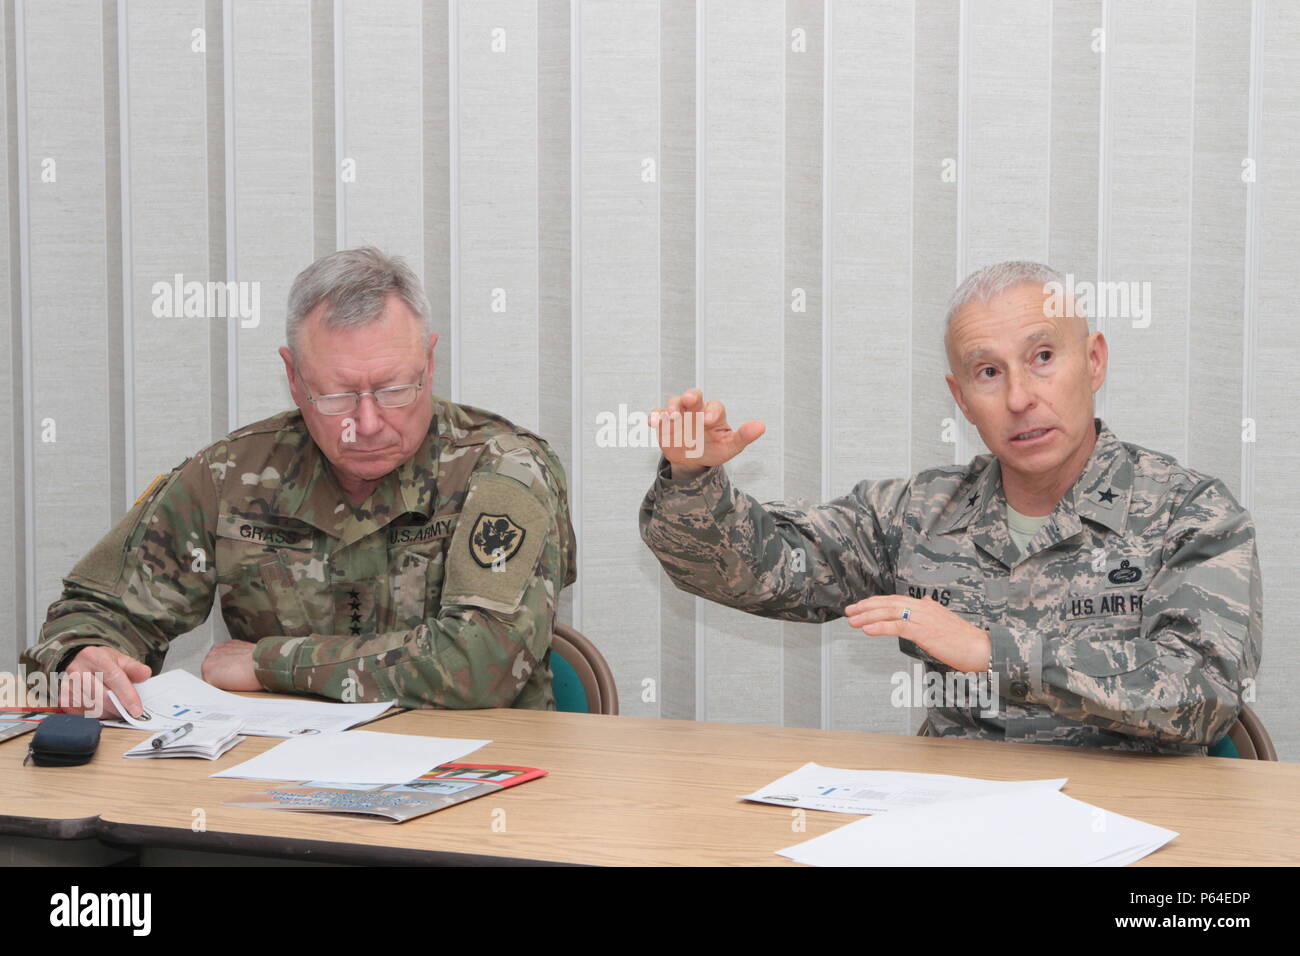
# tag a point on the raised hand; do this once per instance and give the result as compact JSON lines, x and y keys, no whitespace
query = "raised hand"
{"x":694,"y":435}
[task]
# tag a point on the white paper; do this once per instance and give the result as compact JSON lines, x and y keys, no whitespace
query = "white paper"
{"x":1035,"y":826}
{"x":179,"y":697}
{"x":358,"y":756}
{"x":815,"y":787}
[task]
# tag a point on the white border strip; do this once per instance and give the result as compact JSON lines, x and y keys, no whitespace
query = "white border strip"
{"x":537,"y":217}
{"x":575,"y":292}
{"x":782,"y":298}
{"x":25,"y":318}
{"x":1051,"y":47}
{"x":1250,"y":286}
{"x":340,"y":133}
{"x":828,"y":366}
{"x":659,"y":301}
{"x":1103,"y":177}
{"x":232,"y":242}
{"x":128,"y":306}
{"x":453,"y":193}
{"x":961,"y":452}
{"x":701,"y":234}
{"x":1190,"y":241}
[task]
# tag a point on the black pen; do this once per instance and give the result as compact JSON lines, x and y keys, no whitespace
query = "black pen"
{"x":171,"y":736}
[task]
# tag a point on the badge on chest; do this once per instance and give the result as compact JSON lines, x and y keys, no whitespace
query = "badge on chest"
{"x":1116,"y":589}
{"x":422,"y":533}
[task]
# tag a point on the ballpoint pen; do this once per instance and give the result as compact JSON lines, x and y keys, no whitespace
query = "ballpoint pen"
{"x":168,"y":737}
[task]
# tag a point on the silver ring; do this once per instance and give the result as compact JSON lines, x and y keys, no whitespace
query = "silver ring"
{"x":907,"y":614}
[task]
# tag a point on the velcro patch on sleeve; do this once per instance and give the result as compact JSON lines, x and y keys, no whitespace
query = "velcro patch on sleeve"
{"x":102,"y":565}
{"x":498,"y":540}
{"x":514,"y":467}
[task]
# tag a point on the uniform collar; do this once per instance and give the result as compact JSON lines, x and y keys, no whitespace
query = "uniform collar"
{"x":1100,"y":494}
{"x":318,"y":500}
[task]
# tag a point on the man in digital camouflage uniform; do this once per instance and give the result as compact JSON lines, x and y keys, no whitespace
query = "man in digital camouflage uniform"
{"x":1112,"y":595}
{"x":372,"y":546}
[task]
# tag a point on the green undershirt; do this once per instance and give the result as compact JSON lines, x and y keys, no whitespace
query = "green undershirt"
{"x":1022,"y":527}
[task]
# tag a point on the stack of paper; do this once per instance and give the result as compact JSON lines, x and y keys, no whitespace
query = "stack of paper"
{"x":1034,"y":826}
{"x":207,"y":740}
{"x":358,"y":756}
{"x":815,"y":787}
{"x":179,"y":697}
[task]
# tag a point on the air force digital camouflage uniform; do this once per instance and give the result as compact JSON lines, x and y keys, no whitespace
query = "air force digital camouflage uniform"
{"x":1132,"y":622}
{"x":439,"y":591}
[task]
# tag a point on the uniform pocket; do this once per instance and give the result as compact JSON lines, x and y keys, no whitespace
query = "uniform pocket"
{"x":270,"y":579}
{"x":287,"y":604}
{"x":408,"y":580}
{"x":1101,"y":656}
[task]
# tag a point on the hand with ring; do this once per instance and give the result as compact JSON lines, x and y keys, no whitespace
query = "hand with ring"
{"x":929,"y":625}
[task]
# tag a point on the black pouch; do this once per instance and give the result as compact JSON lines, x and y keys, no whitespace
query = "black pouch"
{"x":64,"y":740}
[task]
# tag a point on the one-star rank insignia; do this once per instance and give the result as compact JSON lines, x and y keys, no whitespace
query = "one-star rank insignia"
{"x":496,"y":539}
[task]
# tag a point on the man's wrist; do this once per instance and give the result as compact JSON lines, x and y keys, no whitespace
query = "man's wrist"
{"x":681,"y":472}
{"x":274,"y":660}
{"x":68,"y":656}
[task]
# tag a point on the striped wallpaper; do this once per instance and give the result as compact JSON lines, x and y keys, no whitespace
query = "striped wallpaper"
{"x":611,"y":200}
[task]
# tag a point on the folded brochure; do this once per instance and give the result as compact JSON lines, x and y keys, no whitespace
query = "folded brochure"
{"x":207,"y":740}
{"x":448,"y":784}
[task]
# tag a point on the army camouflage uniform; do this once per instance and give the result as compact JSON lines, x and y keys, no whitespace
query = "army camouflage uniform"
{"x":1132,"y":622}
{"x":438,"y":591}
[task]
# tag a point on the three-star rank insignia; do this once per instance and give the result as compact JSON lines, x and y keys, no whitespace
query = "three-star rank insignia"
{"x":496,"y":539}
{"x":355,"y":605}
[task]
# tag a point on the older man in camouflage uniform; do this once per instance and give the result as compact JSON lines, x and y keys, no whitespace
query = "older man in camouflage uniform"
{"x":376,"y":543}
{"x":1111,"y":595}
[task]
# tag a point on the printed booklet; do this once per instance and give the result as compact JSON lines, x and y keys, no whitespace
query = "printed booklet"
{"x":448,"y":784}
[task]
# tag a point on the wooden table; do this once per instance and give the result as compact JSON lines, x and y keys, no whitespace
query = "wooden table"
{"x":632,"y":791}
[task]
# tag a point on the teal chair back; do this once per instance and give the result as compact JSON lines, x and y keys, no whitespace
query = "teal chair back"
{"x":570,"y":695}
{"x":580,"y":676}
{"x":1224,"y":748}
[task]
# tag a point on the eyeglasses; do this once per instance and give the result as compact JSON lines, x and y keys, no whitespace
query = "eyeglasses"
{"x":341,"y":403}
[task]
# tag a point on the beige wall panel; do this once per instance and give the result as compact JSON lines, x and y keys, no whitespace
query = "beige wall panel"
{"x":804,"y":75}
{"x":496,"y":122}
{"x":869,"y":206}
{"x":271,"y":147}
{"x":742,"y":175}
{"x":1273,"y":360}
{"x":72,"y":332}
{"x":677,"y":263}
{"x":382,"y":133}
{"x":618,"y":254}
{"x":1149,"y":49}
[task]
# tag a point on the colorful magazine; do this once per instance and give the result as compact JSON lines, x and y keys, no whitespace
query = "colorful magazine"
{"x":448,"y":784}
{"x":15,"y":723}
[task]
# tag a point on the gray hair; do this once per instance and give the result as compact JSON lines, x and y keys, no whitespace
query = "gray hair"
{"x":355,"y":283}
{"x":990,"y":282}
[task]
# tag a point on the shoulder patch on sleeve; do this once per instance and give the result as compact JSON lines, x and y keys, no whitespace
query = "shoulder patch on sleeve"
{"x":512,"y":466}
{"x":103,"y":564}
{"x":152,"y":485}
{"x":496,"y":546}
